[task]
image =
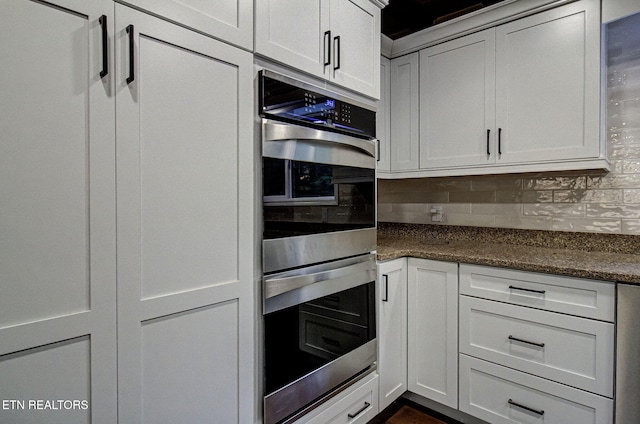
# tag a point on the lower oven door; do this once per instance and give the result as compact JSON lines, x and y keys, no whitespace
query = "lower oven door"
{"x":320,"y":333}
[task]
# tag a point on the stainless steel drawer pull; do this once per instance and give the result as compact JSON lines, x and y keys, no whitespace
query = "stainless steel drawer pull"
{"x":527,"y":290}
{"x":360,"y":411}
{"x":526,"y":341}
{"x":535,"y":411}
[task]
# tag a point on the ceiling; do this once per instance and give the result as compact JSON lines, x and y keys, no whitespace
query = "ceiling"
{"x":403,"y":17}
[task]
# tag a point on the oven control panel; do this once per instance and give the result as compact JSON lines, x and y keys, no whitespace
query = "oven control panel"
{"x":292,"y":101}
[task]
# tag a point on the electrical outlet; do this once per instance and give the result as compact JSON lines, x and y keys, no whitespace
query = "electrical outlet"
{"x":436,"y":213}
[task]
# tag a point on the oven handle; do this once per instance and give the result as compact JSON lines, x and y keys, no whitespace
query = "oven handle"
{"x":292,"y":280}
{"x":275,"y":131}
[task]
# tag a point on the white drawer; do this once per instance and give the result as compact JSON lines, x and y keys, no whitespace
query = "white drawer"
{"x":354,"y":406}
{"x":500,"y":395}
{"x":573,"y":296}
{"x":570,"y":350}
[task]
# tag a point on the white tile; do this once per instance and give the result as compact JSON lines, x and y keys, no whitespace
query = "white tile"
{"x":587,"y":225}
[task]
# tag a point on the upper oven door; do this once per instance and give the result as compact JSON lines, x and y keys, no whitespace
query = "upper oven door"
{"x":318,"y":195}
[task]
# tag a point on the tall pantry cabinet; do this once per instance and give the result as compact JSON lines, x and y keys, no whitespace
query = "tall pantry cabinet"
{"x":183,"y":126}
{"x":57,"y":212}
{"x":127,"y":267}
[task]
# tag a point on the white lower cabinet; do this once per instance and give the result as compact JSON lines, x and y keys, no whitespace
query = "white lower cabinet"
{"x":357,"y":405}
{"x":392,"y":330}
{"x":433,"y":330}
{"x":501,"y":395}
{"x":522,"y":360}
{"x":494,"y":343}
{"x":572,"y":350}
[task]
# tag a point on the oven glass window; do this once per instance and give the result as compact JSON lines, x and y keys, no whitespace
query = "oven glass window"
{"x":303,"y":198}
{"x":302,"y":338}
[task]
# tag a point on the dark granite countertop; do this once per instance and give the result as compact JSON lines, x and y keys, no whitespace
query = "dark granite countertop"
{"x":611,"y":263}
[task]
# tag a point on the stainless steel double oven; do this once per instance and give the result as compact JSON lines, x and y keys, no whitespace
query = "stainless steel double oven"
{"x":319,"y":240}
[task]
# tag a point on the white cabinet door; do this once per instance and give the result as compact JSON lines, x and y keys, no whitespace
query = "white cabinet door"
{"x":383,"y":121}
{"x":404,"y":113}
{"x":184,"y":196}
{"x":567,"y":349}
{"x":501,"y":395}
{"x":336,"y":40}
{"x":295,"y":33}
{"x":228,"y":20}
{"x":57,"y":248}
{"x":457,"y":102}
{"x":355,"y":26}
{"x":433,"y":330}
{"x":392,"y":330}
{"x":547,"y":72}
{"x":358,"y":404}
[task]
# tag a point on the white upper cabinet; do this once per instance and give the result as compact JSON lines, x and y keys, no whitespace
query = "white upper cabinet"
{"x":404,"y":149}
{"x":295,"y":33}
{"x":383,"y":124}
{"x":457,"y":100}
{"x":336,"y":40}
{"x":355,"y":26}
{"x":547,"y":79}
{"x":227,"y":20}
{"x":523,"y":96}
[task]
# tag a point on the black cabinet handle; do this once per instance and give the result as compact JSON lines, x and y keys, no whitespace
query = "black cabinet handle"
{"x":535,"y":411}
{"x":527,"y":290}
{"x":360,"y":411}
{"x":131,"y":77}
{"x":332,"y":342}
{"x":336,"y":66}
{"x":499,"y":141}
{"x":488,"y":134}
{"x":526,"y":341}
{"x":105,"y":47}
{"x":386,"y":288}
{"x":327,"y":48}
{"x":378,"y":145}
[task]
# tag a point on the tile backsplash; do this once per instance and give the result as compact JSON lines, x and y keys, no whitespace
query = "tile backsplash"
{"x":568,"y":201}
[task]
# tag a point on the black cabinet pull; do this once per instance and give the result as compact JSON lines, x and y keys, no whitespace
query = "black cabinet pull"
{"x":488,"y":150}
{"x":332,"y":342}
{"x":327,"y":48}
{"x":360,"y":411}
{"x":378,"y":144}
{"x":527,"y":290}
{"x":131,"y":77}
{"x":336,"y":66}
{"x":535,"y":411}
{"x":526,"y":341}
{"x":105,"y":47}
{"x":499,"y":141}
{"x":386,"y":288}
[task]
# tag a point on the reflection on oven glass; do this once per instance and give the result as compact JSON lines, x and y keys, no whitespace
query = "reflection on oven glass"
{"x":304,"y":337}
{"x":309,"y":198}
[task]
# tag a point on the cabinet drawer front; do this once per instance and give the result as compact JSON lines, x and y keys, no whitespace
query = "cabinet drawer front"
{"x":501,"y":395}
{"x":570,"y":350}
{"x":574,"y":296}
{"x":356,"y":407}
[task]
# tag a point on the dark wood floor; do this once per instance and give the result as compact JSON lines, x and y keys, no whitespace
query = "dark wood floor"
{"x":404,"y":411}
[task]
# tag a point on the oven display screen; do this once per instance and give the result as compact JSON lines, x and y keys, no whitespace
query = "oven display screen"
{"x":289,"y":103}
